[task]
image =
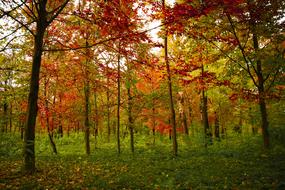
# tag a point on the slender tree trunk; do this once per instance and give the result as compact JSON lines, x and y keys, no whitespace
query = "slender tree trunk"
{"x":130,"y":120}
{"x":10,"y":118}
{"x":22,"y":131}
{"x":96,"y":123}
{"x":217,"y":126}
{"x":260,"y":81}
{"x":60,"y":128}
{"x":261,"y":91}
{"x":108,"y":116}
{"x":119,"y":102}
{"x":86,"y":123}
{"x":253,"y":129}
{"x":130,"y":109}
{"x":5,"y":126}
{"x":108,"y":105}
{"x":153,"y":121}
{"x":5,"y":109}
{"x":185,"y":125}
{"x":183,"y":114}
{"x":207,"y":130}
{"x":87,"y":95}
{"x":171,"y":102}
{"x":52,"y":143}
{"x":29,"y":138}
{"x":191,"y":120}
{"x":263,"y":110}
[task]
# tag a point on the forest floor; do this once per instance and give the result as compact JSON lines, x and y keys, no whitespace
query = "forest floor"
{"x":237,"y":162}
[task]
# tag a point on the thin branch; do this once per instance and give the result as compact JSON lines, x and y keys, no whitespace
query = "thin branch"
{"x":22,"y":24}
{"x":273,"y":81}
{"x":60,"y":8}
{"x":12,"y":69}
{"x":103,"y":41}
{"x":13,"y":32}
{"x":31,"y":14}
{"x":9,"y":42}
{"x":6,"y":13}
{"x":246,"y":60}
{"x":223,"y":52}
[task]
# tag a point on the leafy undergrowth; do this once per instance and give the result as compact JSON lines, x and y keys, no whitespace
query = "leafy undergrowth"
{"x":234,"y":163}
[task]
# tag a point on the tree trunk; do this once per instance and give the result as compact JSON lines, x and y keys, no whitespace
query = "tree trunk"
{"x":130,"y":121}
{"x":5,"y":126}
{"x":29,"y":135}
{"x":60,"y":129}
{"x":10,"y":118}
{"x":171,"y":103}
{"x":217,"y":126}
{"x":86,"y":113}
{"x":207,"y":130}
{"x":262,"y":107}
{"x":183,"y":114}
{"x":261,"y":91}
{"x":130,"y":117}
{"x":22,"y":131}
{"x":52,"y":143}
{"x":96,"y":123}
{"x":153,"y":121}
{"x":119,"y":102}
{"x":108,"y":105}
{"x":86,"y":123}
{"x":253,"y":129}
{"x":185,"y":125}
{"x":191,"y":120}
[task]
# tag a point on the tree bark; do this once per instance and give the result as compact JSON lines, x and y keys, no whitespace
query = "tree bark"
{"x":217,"y":126}
{"x":96,"y":123}
{"x":5,"y":110}
{"x":52,"y":143}
{"x":183,"y":114}
{"x":108,"y":105}
{"x":171,"y":102}
{"x":60,"y":128}
{"x":119,"y":102}
{"x":130,"y":120}
{"x":153,"y":121}
{"x":10,"y":118}
{"x":87,"y":96}
{"x":207,"y":130}
{"x":5,"y":126}
{"x":130,"y":108}
{"x":261,"y":91}
{"x":29,"y":135}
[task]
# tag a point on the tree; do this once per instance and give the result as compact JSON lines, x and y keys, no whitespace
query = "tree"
{"x":263,"y":30}
{"x":42,"y":13}
{"x":169,"y":80}
{"x":239,"y":30}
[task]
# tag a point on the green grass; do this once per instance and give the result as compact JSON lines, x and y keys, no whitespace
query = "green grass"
{"x":238,"y":162}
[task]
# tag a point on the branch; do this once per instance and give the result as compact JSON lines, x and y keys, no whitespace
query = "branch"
{"x":57,"y":11}
{"x":246,"y":60}
{"x":6,"y":13}
{"x":9,"y":42}
{"x":31,"y":14}
{"x":12,"y":69}
{"x":274,"y":78}
{"x":102,"y":41}
{"x":22,"y":24}
{"x":222,"y":51}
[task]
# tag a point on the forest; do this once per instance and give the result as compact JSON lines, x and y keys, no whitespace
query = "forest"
{"x":142,"y":94}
